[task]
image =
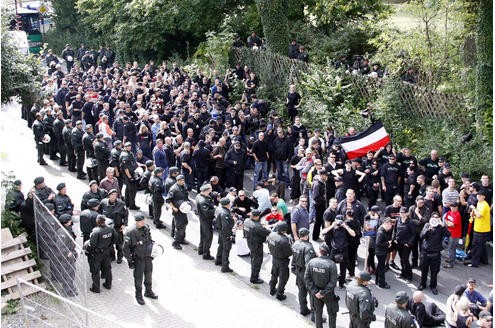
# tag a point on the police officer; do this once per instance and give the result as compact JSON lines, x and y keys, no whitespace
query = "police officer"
{"x":14,"y":197}
{"x":321,"y":279}
{"x":93,"y":192}
{"x":91,"y":164}
{"x":138,"y":247}
{"x":256,"y":234}
{"x":45,"y":194}
{"x":303,"y":251}
{"x":69,"y":150}
{"x":58,"y":128}
{"x":101,"y":241}
{"x":225,"y":223}
{"x":114,"y":162}
{"x":128,"y":164}
{"x":396,"y":315}
{"x":39,"y":133}
{"x":102,"y":155}
{"x":76,"y":142}
{"x":63,"y":204}
{"x":206,"y":213}
{"x":359,"y":301}
{"x":144,"y":184}
{"x":87,"y":219}
{"x":433,"y":233}
{"x":280,"y":248}
{"x":176,"y":196}
{"x":169,"y":182}
{"x":114,"y":209}
{"x":48,"y":121}
{"x":66,"y":255}
{"x":157,"y":190}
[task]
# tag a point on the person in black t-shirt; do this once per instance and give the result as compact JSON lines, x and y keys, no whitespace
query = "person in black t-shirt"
{"x":260,"y":154}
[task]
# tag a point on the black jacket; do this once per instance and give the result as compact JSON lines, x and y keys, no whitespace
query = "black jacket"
{"x":433,"y":237}
{"x":279,"y":245}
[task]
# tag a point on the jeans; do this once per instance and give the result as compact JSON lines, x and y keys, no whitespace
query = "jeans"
{"x":282,"y":171}
{"x":451,"y":250}
{"x":263,"y":166}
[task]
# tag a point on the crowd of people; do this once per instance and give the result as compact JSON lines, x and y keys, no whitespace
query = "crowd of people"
{"x":158,"y":129}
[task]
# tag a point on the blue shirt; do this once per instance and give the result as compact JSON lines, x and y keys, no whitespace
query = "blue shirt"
{"x":300,"y":217}
{"x":475,"y":297}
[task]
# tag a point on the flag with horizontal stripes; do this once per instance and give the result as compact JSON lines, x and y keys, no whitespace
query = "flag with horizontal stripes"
{"x":372,"y":138}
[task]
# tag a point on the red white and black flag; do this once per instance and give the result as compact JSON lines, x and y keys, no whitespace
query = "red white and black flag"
{"x":372,"y":138}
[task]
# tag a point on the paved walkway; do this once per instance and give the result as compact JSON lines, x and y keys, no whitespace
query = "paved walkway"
{"x":192,"y":292}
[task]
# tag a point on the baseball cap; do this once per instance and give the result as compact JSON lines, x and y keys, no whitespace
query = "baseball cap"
{"x":364,"y":275}
{"x":303,"y":232}
{"x":401,"y":297}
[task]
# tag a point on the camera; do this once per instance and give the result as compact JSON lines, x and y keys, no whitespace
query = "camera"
{"x":339,"y":222}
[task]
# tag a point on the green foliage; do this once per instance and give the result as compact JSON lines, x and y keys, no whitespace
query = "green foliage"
{"x":484,"y":69}
{"x":12,"y":307}
{"x":243,"y":20}
{"x":215,"y":51}
{"x":329,"y":97}
{"x":333,"y":14}
{"x":273,"y":15}
{"x":21,"y":74}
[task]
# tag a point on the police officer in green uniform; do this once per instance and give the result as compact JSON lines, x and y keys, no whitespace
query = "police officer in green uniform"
{"x":128,"y":164}
{"x":176,"y":196}
{"x":138,"y":247}
{"x":302,"y":252}
{"x":225,"y":223}
{"x":93,"y":192}
{"x":63,"y":204}
{"x":114,"y":209}
{"x":69,"y":150}
{"x":144,"y":184}
{"x":87,"y":219}
{"x":256,"y":234}
{"x":396,"y":315}
{"x":206,"y":213}
{"x":100,"y":242}
{"x":280,"y":248}
{"x":359,"y":301}
{"x":321,"y":278}
{"x":157,"y":189}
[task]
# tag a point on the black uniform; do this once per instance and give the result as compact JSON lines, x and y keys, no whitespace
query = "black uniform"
{"x":280,"y":248}
{"x":391,"y":175}
{"x":256,"y":235}
{"x":404,"y":238}
{"x":100,"y":194}
{"x":101,"y":242}
{"x":127,"y":161}
{"x":58,"y":128}
{"x":14,"y":200}
{"x":360,"y":304}
{"x":397,"y":317}
{"x":320,"y":201}
{"x":382,"y":246}
{"x":177,"y":195}
{"x":114,"y":162}
{"x":91,"y":165}
{"x":39,"y":133}
{"x":48,"y":121}
{"x":137,"y":250}
{"x":102,"y":155}
{"x":63,"y":205}
{"x":119,"y":214}
{"x":430,"y":258}
{"x":157,"y":189}
{"x":69,"y":150}
{"x":206,"y":213}
{"x":321,"y":276}
{"x":303,"y":252}
{"x":76,"y":141}
{"x":87,"y":222}
{"x":225,"y":224}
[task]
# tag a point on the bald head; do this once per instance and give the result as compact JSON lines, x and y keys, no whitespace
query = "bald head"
{"x":418,"y":296}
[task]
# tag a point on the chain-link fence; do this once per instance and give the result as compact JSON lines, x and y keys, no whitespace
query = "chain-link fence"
{"x":64,"y":264}
{"x":47,"y":309}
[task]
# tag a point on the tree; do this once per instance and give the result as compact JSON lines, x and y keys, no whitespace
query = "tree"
{"x":273,"y":15}
{"x":21,"y":74}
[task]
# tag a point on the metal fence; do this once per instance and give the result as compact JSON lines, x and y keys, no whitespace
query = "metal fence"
{"x":63,"y":262}
{"x":47,"y":309}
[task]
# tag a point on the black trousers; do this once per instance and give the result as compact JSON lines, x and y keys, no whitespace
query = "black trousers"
{"x":320,"y":209}
{"x":280,"y":273}
{"x":405,"y":264}
{"x":118,"y":245}
{"x":101,"y":263}
{"x":53,"y":146}
{"x":256,"y":253}
{"x":390,"y":193}
{"x":223,"y":251}
{"x":479,"y":252}
{"x":201,"y":175}
{"x":380,"y":270}
{"x":332,"y":308}
{"x":351,"y":265}
{"x":61,"y":151}
{"x":143,"y":268}
{"x":415,"y":250}
{"x":180,"y":227}
{"x":130,"y":192}
{"x":41,"y":152}
{"x":102,"y":170}
{"x":80,"y":161}
{"x":302,"y":293}
{"x":430,"y":262}
{"x":205,"y":237}
{"x":157,"y":212}
{"x":92,"y":173}
{"x":342,"y":265}
{"x":71,"y":157}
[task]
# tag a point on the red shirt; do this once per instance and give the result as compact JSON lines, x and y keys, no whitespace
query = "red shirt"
{"x":456,"y":219}
{"x":274,"y":217}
